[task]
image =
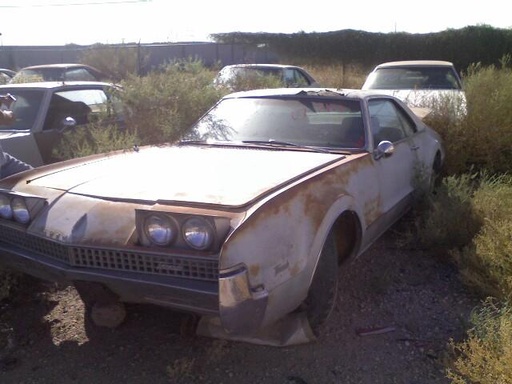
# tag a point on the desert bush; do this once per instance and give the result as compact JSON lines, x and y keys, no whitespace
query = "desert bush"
{"x":446,"y":219}
{"x":338,"y":75}
{"x":483,"y":138}
{"x":93,"y":138}
{"x":116,"y":62}
{"x":485,"y":356}
{"x":164,"y":104}
{"x":469,"y":218}
{"x":485,"y":263}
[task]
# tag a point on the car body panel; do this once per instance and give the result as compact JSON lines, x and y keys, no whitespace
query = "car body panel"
{"x":221,"y":182}
{"x":40,"y":113}
{"x":270,"y":204}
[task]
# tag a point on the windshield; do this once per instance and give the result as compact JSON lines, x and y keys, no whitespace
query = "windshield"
{"x":25,"y":108}
{"x":429,"y":77}
{"x":313,"y":122}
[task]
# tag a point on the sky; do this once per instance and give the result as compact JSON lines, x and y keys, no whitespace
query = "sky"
{"x":60,"y":22}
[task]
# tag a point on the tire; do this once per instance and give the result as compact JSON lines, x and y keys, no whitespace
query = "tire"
{"x":323,"y":291}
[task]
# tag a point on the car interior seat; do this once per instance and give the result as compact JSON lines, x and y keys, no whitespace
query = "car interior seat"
{"x":353,"y":131}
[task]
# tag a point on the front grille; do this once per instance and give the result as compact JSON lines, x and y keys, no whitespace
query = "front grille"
{"x":191,"y":267}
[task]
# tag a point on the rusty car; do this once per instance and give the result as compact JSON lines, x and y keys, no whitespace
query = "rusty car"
{"x":245,"y":219}
{"x":45,"y":110}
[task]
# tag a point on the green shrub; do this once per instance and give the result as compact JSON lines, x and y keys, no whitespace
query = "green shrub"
{"x":486,"y":355}
{"x":116,"y":62}
{"x":337,"y":75}
{"x":91,"y":139}
{"x":446,"y":219}
{"x":483,"y":139}
{"x":486,"y":262}
{"x":163,"y":105}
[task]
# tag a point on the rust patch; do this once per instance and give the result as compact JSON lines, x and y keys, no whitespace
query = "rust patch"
{"x":295,"y":270}
{"x":254,"y":270}
{"x":372,"y":210}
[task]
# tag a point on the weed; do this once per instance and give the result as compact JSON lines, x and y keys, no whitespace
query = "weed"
{"x":485,"y":356}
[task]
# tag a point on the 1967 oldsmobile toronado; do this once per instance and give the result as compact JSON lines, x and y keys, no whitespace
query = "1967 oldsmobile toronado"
{"x":246,"y":219}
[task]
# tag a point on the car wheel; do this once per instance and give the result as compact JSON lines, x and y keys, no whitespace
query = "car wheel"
{"x":324,"y":287}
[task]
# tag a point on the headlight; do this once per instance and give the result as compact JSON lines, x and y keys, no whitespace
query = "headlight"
{"x":160,"y":229}
{"x":198,"y":233}
{"x":20,"y":211}
{"x":5,"y":207}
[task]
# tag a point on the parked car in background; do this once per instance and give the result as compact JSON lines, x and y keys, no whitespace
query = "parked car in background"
{"x":44,"y":110}
{"x":245,"y":220}
{"x":426,"y":84}
{"x":58,"y":72}
{"x":6,"y":75}
{"x":286,"y":75}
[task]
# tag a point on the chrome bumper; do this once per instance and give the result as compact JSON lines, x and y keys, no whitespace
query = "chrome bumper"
{"x":241,"y":307}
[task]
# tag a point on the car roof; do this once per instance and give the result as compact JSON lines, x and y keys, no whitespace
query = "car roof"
{"x":329,"y":92}
{"x":7,"y":71}
{"x":260,"y":65}
{"x":57,"y":65}
{"x":416,"y":63}
{"x":57,"y":84}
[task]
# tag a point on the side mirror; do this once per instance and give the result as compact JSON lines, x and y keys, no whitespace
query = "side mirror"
{"x":67,"y":122}
{"x":384,"y":149}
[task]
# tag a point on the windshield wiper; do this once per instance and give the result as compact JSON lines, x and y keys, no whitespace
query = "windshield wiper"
{"x":279,"y":143}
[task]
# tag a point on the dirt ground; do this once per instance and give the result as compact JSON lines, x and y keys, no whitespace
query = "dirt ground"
{"x":396,"y":312}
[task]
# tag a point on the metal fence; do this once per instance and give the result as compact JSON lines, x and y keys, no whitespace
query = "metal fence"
{"x":16,"y":57}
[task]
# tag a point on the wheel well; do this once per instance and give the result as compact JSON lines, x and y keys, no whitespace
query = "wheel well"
{"x":347,"y":234}
{"x":437,"y":162}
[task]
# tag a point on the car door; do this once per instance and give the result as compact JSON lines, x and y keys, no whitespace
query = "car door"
{"x":17,"y":138}
{"x":396,"y":172}
{"x":68,"y":109}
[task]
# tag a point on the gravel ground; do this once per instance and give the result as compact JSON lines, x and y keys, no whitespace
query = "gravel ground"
{"x":396,"y":312}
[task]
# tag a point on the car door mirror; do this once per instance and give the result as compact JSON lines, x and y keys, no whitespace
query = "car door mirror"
{"x":67,"y":122}
{"x":384,"y":149}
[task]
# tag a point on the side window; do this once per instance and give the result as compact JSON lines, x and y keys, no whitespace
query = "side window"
{"x":288,"y":77}
{"x":389,"y":121}
{"x":79,"y":74}
{"x":82,"y":105}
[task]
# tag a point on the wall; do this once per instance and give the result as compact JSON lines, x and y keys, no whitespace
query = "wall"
{"x":16,"y":57}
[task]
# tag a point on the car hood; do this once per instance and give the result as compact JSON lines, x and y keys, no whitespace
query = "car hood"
{"x":205,"y":175}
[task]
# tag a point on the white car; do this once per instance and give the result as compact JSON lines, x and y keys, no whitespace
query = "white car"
{"x":424,"y":85}
{"x":244,"y":221}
